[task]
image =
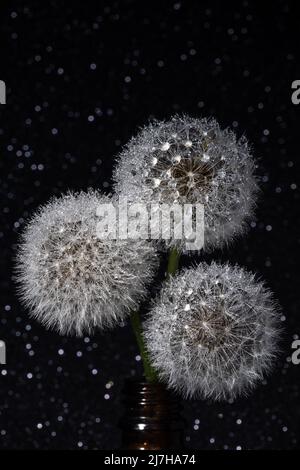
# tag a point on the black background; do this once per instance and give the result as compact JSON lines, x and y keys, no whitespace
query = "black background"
{"x":64,"y":122}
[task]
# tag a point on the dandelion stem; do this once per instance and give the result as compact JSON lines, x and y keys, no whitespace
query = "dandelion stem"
{"x":173,"y":262}
{"x":149,"y":372}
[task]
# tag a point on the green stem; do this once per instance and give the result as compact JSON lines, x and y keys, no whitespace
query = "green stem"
{"x":173,"y":262}
{"x":149,"y":372}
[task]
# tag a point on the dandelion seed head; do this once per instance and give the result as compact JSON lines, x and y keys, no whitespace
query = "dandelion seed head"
{"x":189,"y":161}
{"x":224,"y":336}
{"x":70,"y":279}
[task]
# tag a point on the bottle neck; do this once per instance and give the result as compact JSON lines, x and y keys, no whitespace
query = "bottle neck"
{"x":151,"y":417}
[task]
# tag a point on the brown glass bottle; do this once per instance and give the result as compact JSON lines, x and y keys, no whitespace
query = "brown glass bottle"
{"x":152,"y":419}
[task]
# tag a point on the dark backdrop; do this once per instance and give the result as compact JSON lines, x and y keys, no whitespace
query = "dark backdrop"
{"x":81,"y":78}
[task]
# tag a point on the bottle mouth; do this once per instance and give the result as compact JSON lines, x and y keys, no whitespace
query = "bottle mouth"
{"x":142,"y":387}
{"x":152,"y":399}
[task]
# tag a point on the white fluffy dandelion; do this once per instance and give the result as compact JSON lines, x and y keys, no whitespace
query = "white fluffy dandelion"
{"x":213,"y":332}
{"x":187,"y":160}
{"x":70,"y":279}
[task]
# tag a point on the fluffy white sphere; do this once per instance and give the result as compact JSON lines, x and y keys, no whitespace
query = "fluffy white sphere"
{"x":70,"y":279}
{"x":187,"y":160}
{"x":213,"y":332}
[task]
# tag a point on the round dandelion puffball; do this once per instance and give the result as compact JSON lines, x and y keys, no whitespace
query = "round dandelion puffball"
{"x":70,"y":279}
{"x":213,"y":332}
{"x":192,"y":161}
